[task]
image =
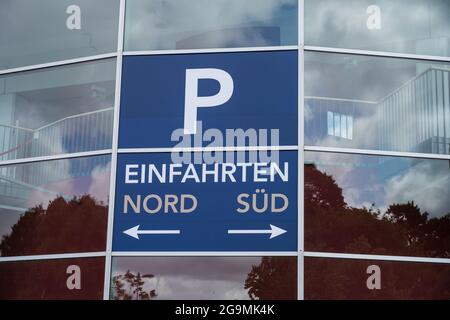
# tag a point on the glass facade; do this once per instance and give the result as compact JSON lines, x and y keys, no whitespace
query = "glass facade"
{"x":205,"y":278}
{"x":175,"y":24}
{"x":400,"y":26}
{"x":47,"y":31}
{"x":383,"y":103}
{"x":362,"y":101}
{"x":57,"y":110}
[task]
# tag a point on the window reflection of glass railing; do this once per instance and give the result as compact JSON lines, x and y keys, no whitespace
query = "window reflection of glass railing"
{"x":416,"y":116}
{"x":77,"y":133}
{"x":14,"y":141}
{"x":82,"y":132}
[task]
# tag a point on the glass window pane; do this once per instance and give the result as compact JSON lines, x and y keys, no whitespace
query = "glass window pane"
{"x":391,"y":104}
{"x":403,"y":26}
{"x":186,"y":24}
{"x":35,"y":32}
{"x":350,"y":127}
{"x":68,"y":279}
{"x":337,"y":124}
{"x":344,"y":126}
{"x":370,"y":280}
{"x":57,"y":110}
{"x":330,"y":123}
{"x":55,"y":206}
{"x":204,"y":278}
{"x":377,"y":205}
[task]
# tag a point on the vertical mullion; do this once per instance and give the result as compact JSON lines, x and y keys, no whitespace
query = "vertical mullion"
{"x":115,"y":139}
{"x":301,"y":149}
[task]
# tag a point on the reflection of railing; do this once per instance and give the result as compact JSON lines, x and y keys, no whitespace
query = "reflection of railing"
{"x":14,"y":141}
{"x":47,"y":179}
{"x":82,"y":132}
{"x":416,"y":116}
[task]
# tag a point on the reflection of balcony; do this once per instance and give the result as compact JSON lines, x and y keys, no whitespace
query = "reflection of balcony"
{"x":81,"y":132}
{"x":413,"y":118}
{"x":416,"y":116}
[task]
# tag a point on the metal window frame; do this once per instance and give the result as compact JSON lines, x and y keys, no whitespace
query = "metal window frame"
{"x":58,"y":63}
{"x":301,"y":149}
{"x":213,"y":50}
{"x":115,"y":144}
{"x":53,"y":256}
{"x":356,"y":256}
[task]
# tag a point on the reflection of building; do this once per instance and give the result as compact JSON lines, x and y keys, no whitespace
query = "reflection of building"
{"x":234,"y":37}
{"x":335,"y":118}
{"x":63,"y":134}
{"x":414,"y":118}
{"x":17,"y":182}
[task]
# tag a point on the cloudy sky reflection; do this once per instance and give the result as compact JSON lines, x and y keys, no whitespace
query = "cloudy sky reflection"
{"x":191,"y":277}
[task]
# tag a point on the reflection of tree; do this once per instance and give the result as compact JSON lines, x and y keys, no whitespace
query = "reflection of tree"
{"x":331,"y":225}
{"x":346,"y":279}
{"x":77,"y":225}
{"x":47,"y":279}
{"x":130,"y":286}
{"x":275,"y":278}
{"x":403,"y":229}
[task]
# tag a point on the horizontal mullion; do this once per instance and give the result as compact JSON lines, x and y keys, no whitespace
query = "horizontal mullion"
{"x":208,"y":149}
{"x":58,"y":63}
{"x":56,"y":157}
{"x":355,"y":256}
{"x":53,"y":256}
{"x":203,"y":253}
{"x":384,"y":54}
{"x":378,"y":152}
{"x":210,"y":50}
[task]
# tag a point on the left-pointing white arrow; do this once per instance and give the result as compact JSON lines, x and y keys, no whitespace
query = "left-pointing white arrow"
{"x":135,"y":232}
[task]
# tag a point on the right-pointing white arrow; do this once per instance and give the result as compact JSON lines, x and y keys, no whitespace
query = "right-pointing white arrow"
{"x":135,"y":232}
{"x":274,"y":231}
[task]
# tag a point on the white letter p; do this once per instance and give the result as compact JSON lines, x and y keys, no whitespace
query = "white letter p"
{"x":192,"y":101}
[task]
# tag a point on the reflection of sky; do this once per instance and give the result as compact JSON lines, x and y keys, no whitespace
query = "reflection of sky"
{"x":154,"y":25}
{"x":413,"y":26}
{"x":68,"y":177}
{"x":388,"y":180}
{"x":54,"y":102}
{"x":191,"y":277}
{"x":396,"y":99}
{"x":33,"y":32}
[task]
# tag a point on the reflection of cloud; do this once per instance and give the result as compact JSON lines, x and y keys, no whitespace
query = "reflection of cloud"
{"x":398,"y":120}
{"x":184,"y":288}
{"x":99,"y":186}
{"x":426,"y":183}
{"x":45,"y":36}
{"x":217,"y":268}
{"x":343,"y":24}
{"x":356,"y":175}
{"x":192,"y":278}
{"x":383,"y":181}
{"x":62,"y":181}
{"x":159,"y":24}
